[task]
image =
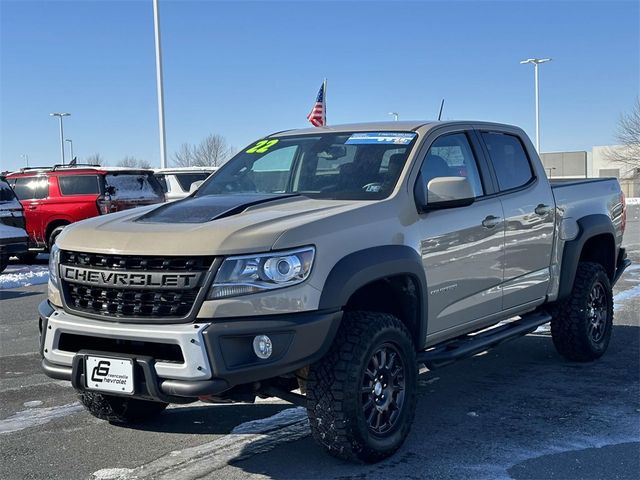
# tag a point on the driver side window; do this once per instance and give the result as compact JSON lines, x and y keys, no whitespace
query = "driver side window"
{"x":452,"y":156}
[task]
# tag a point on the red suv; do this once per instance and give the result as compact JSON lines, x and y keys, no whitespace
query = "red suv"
{"x":54,"y":197}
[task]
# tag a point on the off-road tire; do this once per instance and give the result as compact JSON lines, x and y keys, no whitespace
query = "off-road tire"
{"x":335,"y":397}
{"x":572,"y":321}
{"x":4,"y":261}
{"x":27,"y":257}
{"x":121,"y":410}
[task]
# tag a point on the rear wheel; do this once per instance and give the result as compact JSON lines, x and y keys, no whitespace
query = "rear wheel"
{"x":54,"y":234}
{"x":581,"y":327}
{"x":4,"y":261}
{"x":361,"y":396}
{"x":120,"y":409}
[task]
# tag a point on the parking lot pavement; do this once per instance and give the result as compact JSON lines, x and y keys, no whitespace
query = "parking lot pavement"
{"x":519,"y":411}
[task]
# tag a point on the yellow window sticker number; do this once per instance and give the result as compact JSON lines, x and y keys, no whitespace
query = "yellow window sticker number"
{"x":262,"y":146}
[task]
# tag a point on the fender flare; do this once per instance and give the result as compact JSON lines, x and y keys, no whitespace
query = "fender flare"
{"x":590,"y":226}
{"x":363,"y":267}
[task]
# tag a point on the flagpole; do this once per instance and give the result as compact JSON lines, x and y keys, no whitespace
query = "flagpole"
{"x":324,"y":88}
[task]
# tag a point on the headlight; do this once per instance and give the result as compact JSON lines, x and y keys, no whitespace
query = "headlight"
{"x":54,"y":261}
{"x":260,"y":272}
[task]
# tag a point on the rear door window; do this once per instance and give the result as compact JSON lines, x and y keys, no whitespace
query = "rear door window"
{"x":129,"y":185}
{"x":79,"y":185}
{"x":509,"y":159}
{"x":31,"y":188}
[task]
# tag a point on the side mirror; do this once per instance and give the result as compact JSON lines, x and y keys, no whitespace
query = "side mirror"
{"x":445,"y":192}
{"x":195,"y":185}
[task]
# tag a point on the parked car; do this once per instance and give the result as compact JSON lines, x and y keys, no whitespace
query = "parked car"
{"x":179,"y":182}
{"x":13,"y":237}
{"x":54,"y":197}
{"x":334,"y":260}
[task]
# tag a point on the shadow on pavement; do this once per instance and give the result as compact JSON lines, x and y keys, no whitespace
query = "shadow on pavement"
{"x":512,"y":406}
{"x":613,"y":461}
{"x":9,"y":294}
{"x":209,"y":419}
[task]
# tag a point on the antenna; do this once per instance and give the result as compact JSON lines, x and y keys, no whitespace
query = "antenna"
{"x":441,"y":107}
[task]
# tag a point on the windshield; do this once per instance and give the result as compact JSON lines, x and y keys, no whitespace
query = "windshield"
{"x":353,"y":166}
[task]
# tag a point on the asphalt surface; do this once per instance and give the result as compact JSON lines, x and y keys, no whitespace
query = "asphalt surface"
{"x":519,"y":411}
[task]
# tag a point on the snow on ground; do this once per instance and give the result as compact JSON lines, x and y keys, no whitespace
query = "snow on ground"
{"x":36,"y":416}
{"x":18,"y":275}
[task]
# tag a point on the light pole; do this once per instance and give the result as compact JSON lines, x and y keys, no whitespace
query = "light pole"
{"x":159,"y":87}
{"x":25,"y":157}
{"x":536,"y":62}
{"x":60,"y":115}
{"x":395,"y":115}
{"x":70,"y":147}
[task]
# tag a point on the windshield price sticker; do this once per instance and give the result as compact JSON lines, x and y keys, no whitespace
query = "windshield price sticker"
{"x":378,"y":138}
{"x":262,"y":146}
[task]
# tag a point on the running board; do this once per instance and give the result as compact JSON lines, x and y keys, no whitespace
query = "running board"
{"x":469,"y":345}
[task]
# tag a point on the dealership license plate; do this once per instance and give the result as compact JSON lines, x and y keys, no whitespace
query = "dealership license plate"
{"x":109,"y":374}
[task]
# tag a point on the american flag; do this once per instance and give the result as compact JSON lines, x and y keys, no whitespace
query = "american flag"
{"x":318,"y":114}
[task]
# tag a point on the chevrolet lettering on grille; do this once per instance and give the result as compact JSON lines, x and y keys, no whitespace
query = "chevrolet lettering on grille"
{"x":151,"y":280}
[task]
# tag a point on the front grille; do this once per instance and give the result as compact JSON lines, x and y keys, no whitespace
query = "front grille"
{"x":127,"y":301}
{"x":136,"y":262}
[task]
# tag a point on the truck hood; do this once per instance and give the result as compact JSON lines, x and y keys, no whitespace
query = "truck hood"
{"x":208,"y":225}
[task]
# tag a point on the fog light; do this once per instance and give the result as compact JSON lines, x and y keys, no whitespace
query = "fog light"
{"x":262,"y":346}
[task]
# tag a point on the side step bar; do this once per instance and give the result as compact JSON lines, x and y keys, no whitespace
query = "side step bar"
{"x":469,"y":345}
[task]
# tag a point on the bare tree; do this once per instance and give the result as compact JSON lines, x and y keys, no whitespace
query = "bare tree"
{"x":628,"y":136}
{"x":133,"y":162}
{"x":212,"y":151}
{"x":184,"y":156}
{"x":95,"y":159}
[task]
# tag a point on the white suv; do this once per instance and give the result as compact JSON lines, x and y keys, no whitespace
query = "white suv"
{"x":179,"y":182}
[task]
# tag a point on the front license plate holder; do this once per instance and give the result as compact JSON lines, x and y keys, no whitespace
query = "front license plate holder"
{"x":109,"y":374}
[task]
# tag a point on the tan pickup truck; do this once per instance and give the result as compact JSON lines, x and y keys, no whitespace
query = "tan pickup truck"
{"x":322,"y":266}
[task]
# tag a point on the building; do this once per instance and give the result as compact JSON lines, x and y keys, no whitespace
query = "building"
{"x":593,"y":164}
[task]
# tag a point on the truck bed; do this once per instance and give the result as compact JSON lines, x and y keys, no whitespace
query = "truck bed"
{"x":577,"y":198}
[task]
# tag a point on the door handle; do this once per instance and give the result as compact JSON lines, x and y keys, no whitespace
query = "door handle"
{"x":542,"y":210}
{"x":491,"y":221}
{"x":33,"y":207}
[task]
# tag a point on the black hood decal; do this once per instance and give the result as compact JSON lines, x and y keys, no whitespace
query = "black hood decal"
{"x":206,"y":208}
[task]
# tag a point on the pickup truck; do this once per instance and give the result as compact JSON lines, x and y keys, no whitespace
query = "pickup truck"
{"x":323,"y":266}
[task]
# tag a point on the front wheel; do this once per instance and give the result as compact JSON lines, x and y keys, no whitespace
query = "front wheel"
{"x":122,"y":410}
{"x":361,"y":396}
{"x":581,"y":327}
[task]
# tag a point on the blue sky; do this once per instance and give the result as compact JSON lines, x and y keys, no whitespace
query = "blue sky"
{"x":245,"y":69}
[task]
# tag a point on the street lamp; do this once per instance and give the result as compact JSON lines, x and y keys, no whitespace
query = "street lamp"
{"x":60,"y":115}
{"x":395,"y":115}
{"x":70,"y":147}
{"x":159,"y":85}
{"x":536,"y":62}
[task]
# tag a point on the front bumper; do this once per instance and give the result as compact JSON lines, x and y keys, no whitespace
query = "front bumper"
{"x":215,"y":354}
